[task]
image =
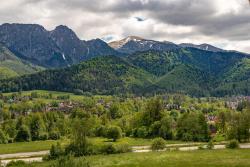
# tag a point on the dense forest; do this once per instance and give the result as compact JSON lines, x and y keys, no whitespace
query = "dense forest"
{"x":41,"y":116}
{"x":187,"y":71}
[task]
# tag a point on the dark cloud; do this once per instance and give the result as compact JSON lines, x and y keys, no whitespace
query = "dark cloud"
{"x":139,"y":19}
{"x":213,"y":20}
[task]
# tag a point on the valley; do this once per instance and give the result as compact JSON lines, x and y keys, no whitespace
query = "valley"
{"x":65,"y":101}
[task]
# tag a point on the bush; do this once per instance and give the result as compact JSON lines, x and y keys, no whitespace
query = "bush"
{"x":54,"y":135}
{"x":34,"y":95}
{"x":43,"y":136}
{"x":158,"y":144}
{"x":23,"y":134}
{"x":16,"y":163}
{"x":55,"y":152}
{"x":114,"y":132}
{"x":69,"y":161}
{"x":3,"y":138}
{"x":78,"y":92}
{"x":219,"y":137}
{"x":115,"y":149}
{"x":63,"y":97}
{"x":101,"y":131}
{"x":142,"y":132}
{"x":233,"y":144}
{"x":210,"y":145}
{"x":79,"y":149}
{"x":123,"y":148}
{"x":108,"y":149}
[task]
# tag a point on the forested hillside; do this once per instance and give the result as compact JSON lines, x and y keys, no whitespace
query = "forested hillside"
{"x":104,"y":75}
{"x":12,"y":66}
{"x":189,"y":71}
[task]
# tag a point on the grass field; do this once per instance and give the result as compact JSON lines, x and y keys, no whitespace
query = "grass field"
{"x":26,"y":146}
{"x":55,"y":94}
{"x":200,"y":158}
{"x":45,"y":145}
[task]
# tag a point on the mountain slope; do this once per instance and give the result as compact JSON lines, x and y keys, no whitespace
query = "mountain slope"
{"x":134,"y":44}
{"x":12,"y":66}
{"x":185,"y":79}
{"x":190,"y":71}
{"x":104,"y":75}
{"x":206,"y":47}
{"x":51,"y":49}
{"x":237,"y":79}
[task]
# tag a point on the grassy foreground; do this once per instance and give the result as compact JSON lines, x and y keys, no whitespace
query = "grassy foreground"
{"x":26,"y":146}
{"x":46,"y":145}
{"x":200,"y":158}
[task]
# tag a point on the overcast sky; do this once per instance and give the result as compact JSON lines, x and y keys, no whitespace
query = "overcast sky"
{"x":224,"y":23}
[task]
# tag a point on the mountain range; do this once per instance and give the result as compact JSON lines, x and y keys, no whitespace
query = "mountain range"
{"x":132,"y":65}
{"x":51,"y":49}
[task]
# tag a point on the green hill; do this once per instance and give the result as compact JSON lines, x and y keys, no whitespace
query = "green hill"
{"x":12,"y":66}
{"x":185,"y":79}
{"x":104,"y":75}
{"x":6,"y":73}
{"x":189,"y":71}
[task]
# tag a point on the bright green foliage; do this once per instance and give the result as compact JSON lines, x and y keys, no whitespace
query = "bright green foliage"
{"x":55,"y":152}
{"x":3,"y":138}
{"x":37,"y":127}
{"x":233,"y":144}
{"x":210,"y":145}
{"x":192,"y":127}
{"x":158,"y":144}
{"x":12,"y":66}
{"x":114,"y":132}
{"x":17,"y":164}
{"x":69,"y":161}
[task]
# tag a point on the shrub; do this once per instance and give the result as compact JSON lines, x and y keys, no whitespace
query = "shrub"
{"x":142,"y":132}
{"x":54,"y":135}
{"x":187,"y":137}
{"x":16,"y":163}
{"x":43,"y":136}
{"x":55,"y":152}
{"x":114,"y":132}
{"x":63,"y":97}
{"x":78,"y":92}
{"x":34,"y":95}
{"x":233,"y":144}
{"x":23,"y":134}
{"x":158,"y":144}
{"x":123,"y":148}
{"x":115,"y":149}
{"x":54,"y":104}
{"x":3,"y":138}
{"x":78,"y":150}
{"x":219,"y":137}
{"x":101,"y":131}
{"x":210,"y":145}
{"x":69,"y":161}
{"x":108,"y":149}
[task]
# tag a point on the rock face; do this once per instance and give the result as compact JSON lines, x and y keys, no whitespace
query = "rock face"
{"x":58,"y":48}
{"x":204,"y":46}
{"x":134,"y":44}
{"x":32,"y":43}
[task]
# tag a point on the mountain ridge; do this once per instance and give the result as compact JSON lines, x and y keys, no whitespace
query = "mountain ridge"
{"x":189,"y":71}
{"x":51,"y":49}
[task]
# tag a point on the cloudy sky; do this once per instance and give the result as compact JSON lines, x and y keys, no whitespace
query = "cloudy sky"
{"x":224,"y":23}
